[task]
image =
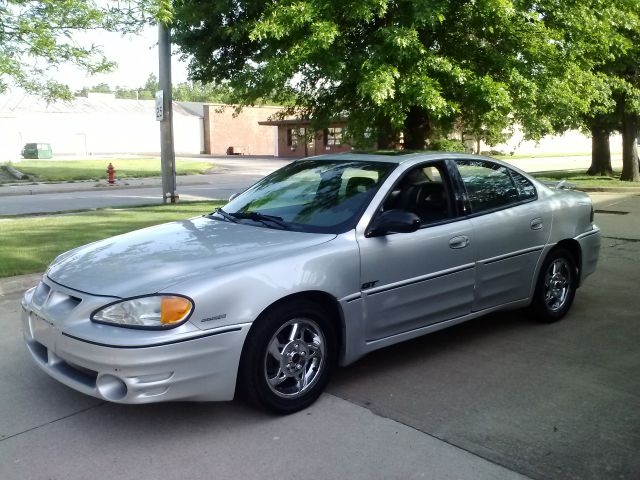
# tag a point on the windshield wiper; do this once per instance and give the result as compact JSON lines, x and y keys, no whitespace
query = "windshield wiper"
{"x":262,"y":218}
{"x":225,"y":215}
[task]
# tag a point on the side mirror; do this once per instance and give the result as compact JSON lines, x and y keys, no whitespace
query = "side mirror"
{"x":233,"y":195}
{"x":393,"y":221}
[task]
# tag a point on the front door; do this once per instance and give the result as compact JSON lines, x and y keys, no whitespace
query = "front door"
{"x":411,"y":280}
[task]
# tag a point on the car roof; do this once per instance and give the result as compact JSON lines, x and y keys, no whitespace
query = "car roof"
{"x":402,"y":157}
{"x":398,"y":157}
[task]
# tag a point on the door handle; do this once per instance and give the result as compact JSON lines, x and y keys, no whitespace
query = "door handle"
{"x":536,"y":224}
{"x":460,"y":241}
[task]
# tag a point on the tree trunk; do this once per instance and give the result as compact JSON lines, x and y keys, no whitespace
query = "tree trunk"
{"x":630,"y":161}
{"x":416,"y":129}
{"x":600,"y":152}
{"x":386,"y":136}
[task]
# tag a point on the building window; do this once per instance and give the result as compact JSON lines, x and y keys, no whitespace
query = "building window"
{"x":333,"y":137}
{"x":295,"y":136}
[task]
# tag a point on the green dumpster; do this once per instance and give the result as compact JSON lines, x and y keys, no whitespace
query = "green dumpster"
{"x":37,"y":150}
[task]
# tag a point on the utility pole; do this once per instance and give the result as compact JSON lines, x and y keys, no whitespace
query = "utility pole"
{"x":167,"y":153}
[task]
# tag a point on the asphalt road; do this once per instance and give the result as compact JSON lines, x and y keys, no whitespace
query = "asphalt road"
{"x":232,"y":175}
{"x":61,"y":201}
{"x":497,"y":397}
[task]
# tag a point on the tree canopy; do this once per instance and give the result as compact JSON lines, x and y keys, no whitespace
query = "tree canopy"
{"x":411,"y":65}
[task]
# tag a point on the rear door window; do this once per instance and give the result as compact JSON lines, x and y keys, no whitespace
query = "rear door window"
{"x":489,"y":185}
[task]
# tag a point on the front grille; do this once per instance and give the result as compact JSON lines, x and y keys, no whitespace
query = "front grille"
{"x":53,"y":302}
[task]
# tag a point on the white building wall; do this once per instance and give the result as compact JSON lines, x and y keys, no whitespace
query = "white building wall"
{"x":571,"y":142}
{"x":95,"y":132}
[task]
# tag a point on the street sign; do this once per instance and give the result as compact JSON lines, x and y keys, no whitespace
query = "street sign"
{"x":159,"y":106}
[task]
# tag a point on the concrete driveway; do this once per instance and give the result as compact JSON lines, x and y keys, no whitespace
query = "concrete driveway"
{"x":498,"y":397}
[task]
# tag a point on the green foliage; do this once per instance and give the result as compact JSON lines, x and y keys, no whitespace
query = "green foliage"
{"x":446,"y":145}
{"x":37,"y":37}
{"x":182,"y":92}
{"x":101,"y":88}
{"x":199,"y":92}
{"x":480,"y":65}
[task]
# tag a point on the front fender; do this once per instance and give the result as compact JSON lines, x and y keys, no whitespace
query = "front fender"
{"x":240,"y":293}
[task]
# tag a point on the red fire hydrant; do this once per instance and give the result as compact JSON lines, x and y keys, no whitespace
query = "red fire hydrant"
{"x":112,"y":174}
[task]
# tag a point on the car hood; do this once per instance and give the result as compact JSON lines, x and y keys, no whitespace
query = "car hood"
{"x":148,"y":260}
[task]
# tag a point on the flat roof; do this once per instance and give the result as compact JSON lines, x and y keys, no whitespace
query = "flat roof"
{"x":293,"y":121}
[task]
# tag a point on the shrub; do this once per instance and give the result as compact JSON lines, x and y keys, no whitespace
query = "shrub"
{"x":446,"y":145}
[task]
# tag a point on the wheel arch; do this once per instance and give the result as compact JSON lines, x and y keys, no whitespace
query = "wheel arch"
{"x":574,"y":248}
{"x":326,"y":300}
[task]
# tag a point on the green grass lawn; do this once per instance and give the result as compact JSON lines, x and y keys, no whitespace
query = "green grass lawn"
{"x":581,"y":179}
{"x":71,"y":170}
{"x":541,"y":155}
{"x":29,"y":244}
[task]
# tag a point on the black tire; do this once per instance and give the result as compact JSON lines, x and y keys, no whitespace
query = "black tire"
{"x":550,"y":301}
{"x":274,"y":327}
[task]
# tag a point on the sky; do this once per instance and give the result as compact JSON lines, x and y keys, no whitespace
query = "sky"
{"x":136,"y":57}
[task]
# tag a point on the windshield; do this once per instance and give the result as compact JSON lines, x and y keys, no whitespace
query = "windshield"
{"x":324,"y":196}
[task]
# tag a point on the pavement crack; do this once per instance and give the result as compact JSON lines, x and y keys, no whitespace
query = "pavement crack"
{"x":623,"y":239}
{"x":372,"y":408}
{"x":53,"y":421}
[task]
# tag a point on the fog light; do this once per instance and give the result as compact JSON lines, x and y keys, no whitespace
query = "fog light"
{"x":111,"y":387}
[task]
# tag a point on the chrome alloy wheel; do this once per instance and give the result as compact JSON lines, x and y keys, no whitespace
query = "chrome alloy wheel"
{"x":557,"y":283}
{"x":295,"y":357}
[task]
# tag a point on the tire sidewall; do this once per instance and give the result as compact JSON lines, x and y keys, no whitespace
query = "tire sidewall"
{"x":252,"y":383}
{"x":539,"y":307}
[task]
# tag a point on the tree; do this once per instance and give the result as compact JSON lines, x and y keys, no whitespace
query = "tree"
{"x":152,"y":84}
{"x":199,"y":92}
{"x":101,"y":88}
{"x":602,"y":38}
{"x":628,"y":71}
{"x":36,"y":37}
{"x":414,"y":66}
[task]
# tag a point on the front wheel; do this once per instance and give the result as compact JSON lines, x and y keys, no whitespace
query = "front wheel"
{"x":288,"y":357}
{"x":556,"y":286}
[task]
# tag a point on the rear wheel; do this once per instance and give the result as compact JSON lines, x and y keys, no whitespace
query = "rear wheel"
{"x":556,"y":287}
{"x":288,"y":357}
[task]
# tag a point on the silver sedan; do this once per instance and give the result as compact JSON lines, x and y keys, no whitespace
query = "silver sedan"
{"x":314,"y":266}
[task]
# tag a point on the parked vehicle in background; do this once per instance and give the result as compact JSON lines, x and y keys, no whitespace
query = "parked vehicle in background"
{"x":316,"y":265}
{"x":37,"y":150}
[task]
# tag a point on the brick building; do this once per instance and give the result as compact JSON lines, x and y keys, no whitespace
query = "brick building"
{"x":245,"y":133}
{"x":295,"y":138}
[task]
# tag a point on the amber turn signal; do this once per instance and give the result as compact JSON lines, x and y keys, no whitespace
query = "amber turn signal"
{"x":174,"y":310}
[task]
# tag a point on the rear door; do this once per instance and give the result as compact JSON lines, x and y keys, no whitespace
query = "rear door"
{"x":510,"y":229}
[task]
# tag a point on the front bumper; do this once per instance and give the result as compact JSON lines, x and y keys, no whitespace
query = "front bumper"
{"x":200,"y":368}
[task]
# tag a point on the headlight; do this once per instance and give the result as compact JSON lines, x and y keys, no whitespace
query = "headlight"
{"x":153,"y":312}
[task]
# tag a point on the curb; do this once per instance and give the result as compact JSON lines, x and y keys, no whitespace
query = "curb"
{"x":92,"y":189}
{"x":19,"y":283}
{"x":610,"y":189}
{"x":14,"y":172}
